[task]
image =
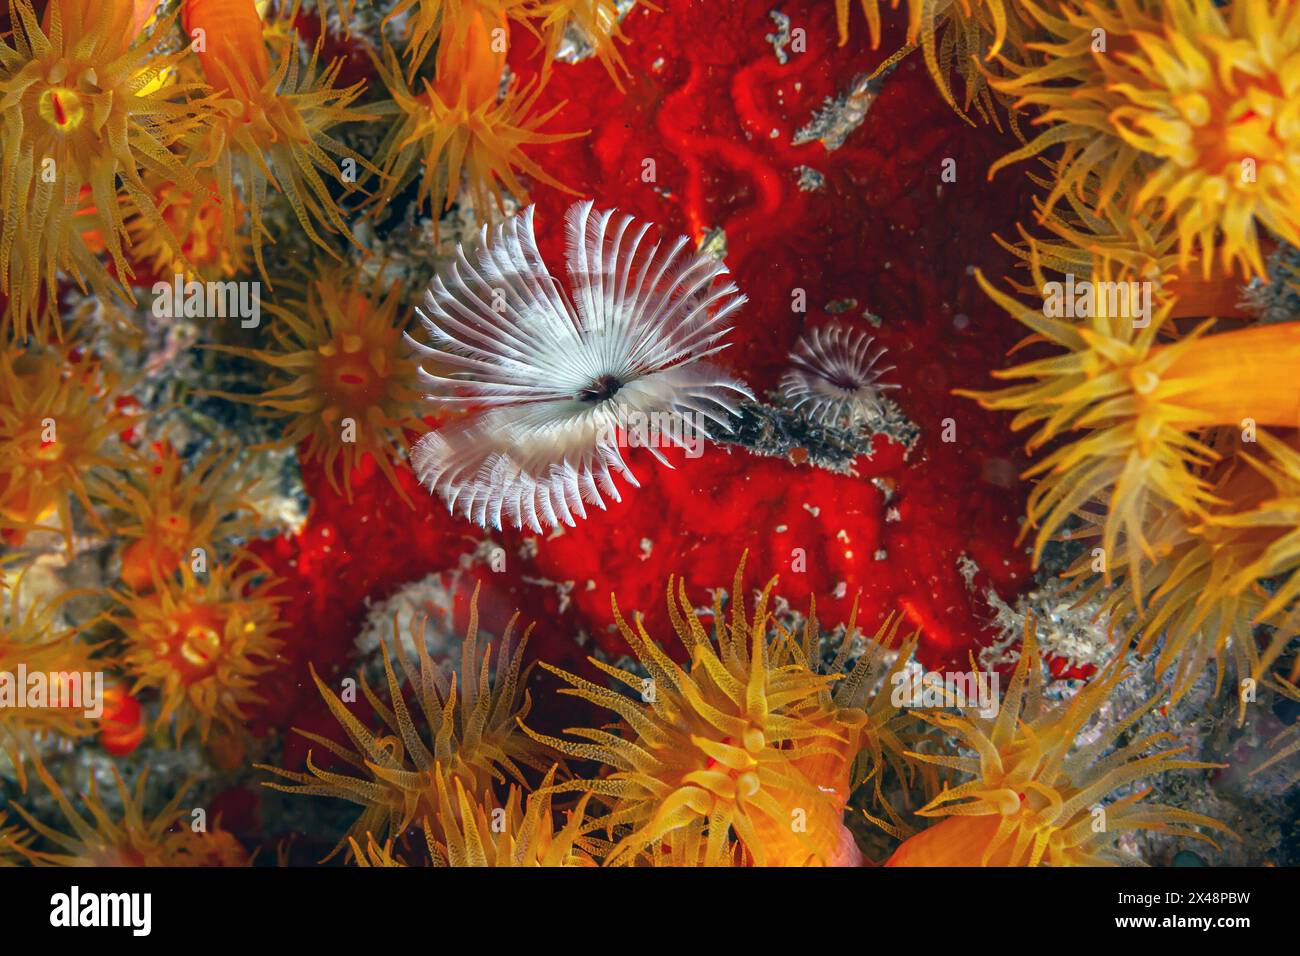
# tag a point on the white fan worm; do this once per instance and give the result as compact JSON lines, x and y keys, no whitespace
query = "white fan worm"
{"x":835,"y":374}
{"x":548,"y":382}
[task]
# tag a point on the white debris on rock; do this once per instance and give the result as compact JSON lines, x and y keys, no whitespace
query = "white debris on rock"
{"x":780,"y":37}
{"x":810,"y":180}
{"x":431,"y":597}
{"x":577,"y":44}
{"x":1076,"y":633}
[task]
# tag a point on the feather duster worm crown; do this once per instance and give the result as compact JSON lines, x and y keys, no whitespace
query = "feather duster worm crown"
{"x":835,"y":374}
{"x":549,"y":381}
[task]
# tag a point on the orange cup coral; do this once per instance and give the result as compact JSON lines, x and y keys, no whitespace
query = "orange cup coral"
{"x":134,"y":839}
{"x":79,"y":107}
{"x":59,"y":424}
{"x":201,"y":643}
{"x":344,"y":383}
{"x":750,"y":741}
{"x":457,"y":124}
{"x":1181,"y":103}
{"x":272,"y":124}
{"x":1037,"y":792}
{"x":471,"y":736}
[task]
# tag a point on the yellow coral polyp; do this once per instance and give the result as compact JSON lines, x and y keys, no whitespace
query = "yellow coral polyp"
{"x":1037,"y":792}
{"x":1135,"y":411}
{"x":209,"y":249}
{"x":166,"y":511}
{"x":58,"y":429}
{"x":1203,"y":595}
{"x":135,"y":839}
{"x":1190,"y":106}
{"x":449,"y":24}
{"x":878,"y":733}
{"x":343,"y":381}
{"x":1219,"y":107}
{"x":951,"y":34}
{"x":471,"y":734}
{"x":458,"y":125}
{"x":478,"y":832}
{"x":599,"y":22}
{"x":271,"y":128}
{"x":1108,"y":240}
{"x":751,"y":745}
{"x":77,"y":109}
{"x":201,"y":643}
{"x":1272,"y":528}
{"x":33,"y":637}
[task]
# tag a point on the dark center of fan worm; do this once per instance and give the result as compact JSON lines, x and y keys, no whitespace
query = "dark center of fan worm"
{"x":605,"y":387}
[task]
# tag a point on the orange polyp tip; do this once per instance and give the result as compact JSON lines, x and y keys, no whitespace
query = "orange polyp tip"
{"x":233,"y":48}
{"x":472,"y":67}
{"x":142,"y":560}
{"x":1247,"y":373}
{"x":126,"y":17}
{"x":953,"y":841}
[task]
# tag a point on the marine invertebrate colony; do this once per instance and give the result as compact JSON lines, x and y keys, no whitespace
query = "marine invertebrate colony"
{"x":1137,"y":407}
{"x":196,"y":512}
{"x":1155,"y":466}
{"x":82,"y":118}
{"x":549,"y":381}
{"x":1171,"y":132}
{"x":469,"y":720}
{"x":1187,"y":104}
{"x":1036,"y":793}
{"x":748,"y":744}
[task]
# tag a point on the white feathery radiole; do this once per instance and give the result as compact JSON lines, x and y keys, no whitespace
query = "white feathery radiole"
{"x":835,"y":374}
{"x":547,"y":381}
